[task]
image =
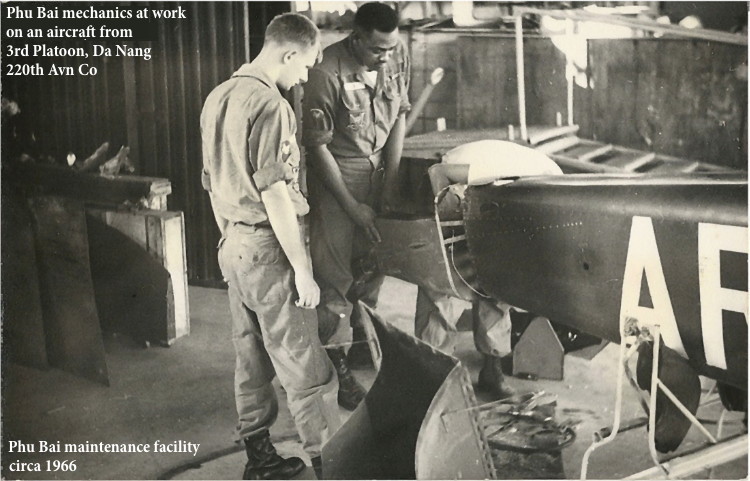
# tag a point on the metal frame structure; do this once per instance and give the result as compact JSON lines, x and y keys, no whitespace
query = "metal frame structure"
{"x":718,"y":452}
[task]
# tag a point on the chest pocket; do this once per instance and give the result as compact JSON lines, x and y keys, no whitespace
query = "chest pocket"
{"x":391,"y":100}
{"x":356,"y":102}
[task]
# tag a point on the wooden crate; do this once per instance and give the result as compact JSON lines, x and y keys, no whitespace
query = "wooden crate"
{"x":162,"y":234}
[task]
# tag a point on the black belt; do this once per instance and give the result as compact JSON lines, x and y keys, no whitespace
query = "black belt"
{"x":265,"y":224}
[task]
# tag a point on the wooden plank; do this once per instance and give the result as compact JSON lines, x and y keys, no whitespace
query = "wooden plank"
{"x":595,"y":152}
{"x":674,"y":97}
{"x":692,"y":167}
{"x":613,"y":71}
{"x":546,"y":86}
{"x":629,"y":160}
{"x":660,"y":166}
{"x":570,"y":165}
{"x":538,"y":135}
{"x":176,"y":264}
{"x":23,"y":322}
{"x":558,"y":146}
{"x":485,"y":94}
{"x":94,"y":188}
{"x":127,"y":223}
{"x":674,"y":93}
{"x":71,"y":322}
{"x":578,"y":150}
{"x":647,"y":99}
{"x":726,"y":109}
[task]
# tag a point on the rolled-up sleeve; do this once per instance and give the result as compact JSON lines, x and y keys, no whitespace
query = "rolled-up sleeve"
{"x":270,"y":174}
{"x":270,"y":145}
{"x":318,"y":106}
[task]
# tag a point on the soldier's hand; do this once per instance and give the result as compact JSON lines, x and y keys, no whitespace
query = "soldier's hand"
{"x":364,"y":217}
{"x":307,"y":289}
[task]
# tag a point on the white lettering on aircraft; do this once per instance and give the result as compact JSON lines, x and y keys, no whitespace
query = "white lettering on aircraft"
{"x":643,"y":260}
{"x":712,"y":239}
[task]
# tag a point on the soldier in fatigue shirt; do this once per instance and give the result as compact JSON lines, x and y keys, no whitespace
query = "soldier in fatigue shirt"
{"x":251,"y":171}
{"x":354,"y":109}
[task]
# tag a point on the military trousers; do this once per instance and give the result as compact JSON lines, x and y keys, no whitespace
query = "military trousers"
{"x":437,"y":315}
{"x":339,"y":247}
{"x":273,"y":337}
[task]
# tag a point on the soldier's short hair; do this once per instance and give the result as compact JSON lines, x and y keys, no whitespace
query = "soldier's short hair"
{"x":292,"y":27}
{"x":376,"y":16}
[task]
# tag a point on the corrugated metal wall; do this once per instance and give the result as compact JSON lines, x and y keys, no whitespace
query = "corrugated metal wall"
{"x":151,"y":105}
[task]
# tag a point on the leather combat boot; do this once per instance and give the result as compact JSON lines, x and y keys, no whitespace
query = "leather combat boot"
{"x":317,"y":464}
{"x":492,"y":380}
{"x":351,"y":392}
{"x":263,"y":462}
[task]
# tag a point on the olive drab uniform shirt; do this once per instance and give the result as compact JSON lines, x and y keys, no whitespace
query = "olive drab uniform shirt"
{"x":248,"y":132}
{"x":342,"y":111}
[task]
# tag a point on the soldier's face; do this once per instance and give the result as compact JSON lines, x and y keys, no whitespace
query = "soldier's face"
{"x":375,"y":48}
{"x":296,"y":65}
